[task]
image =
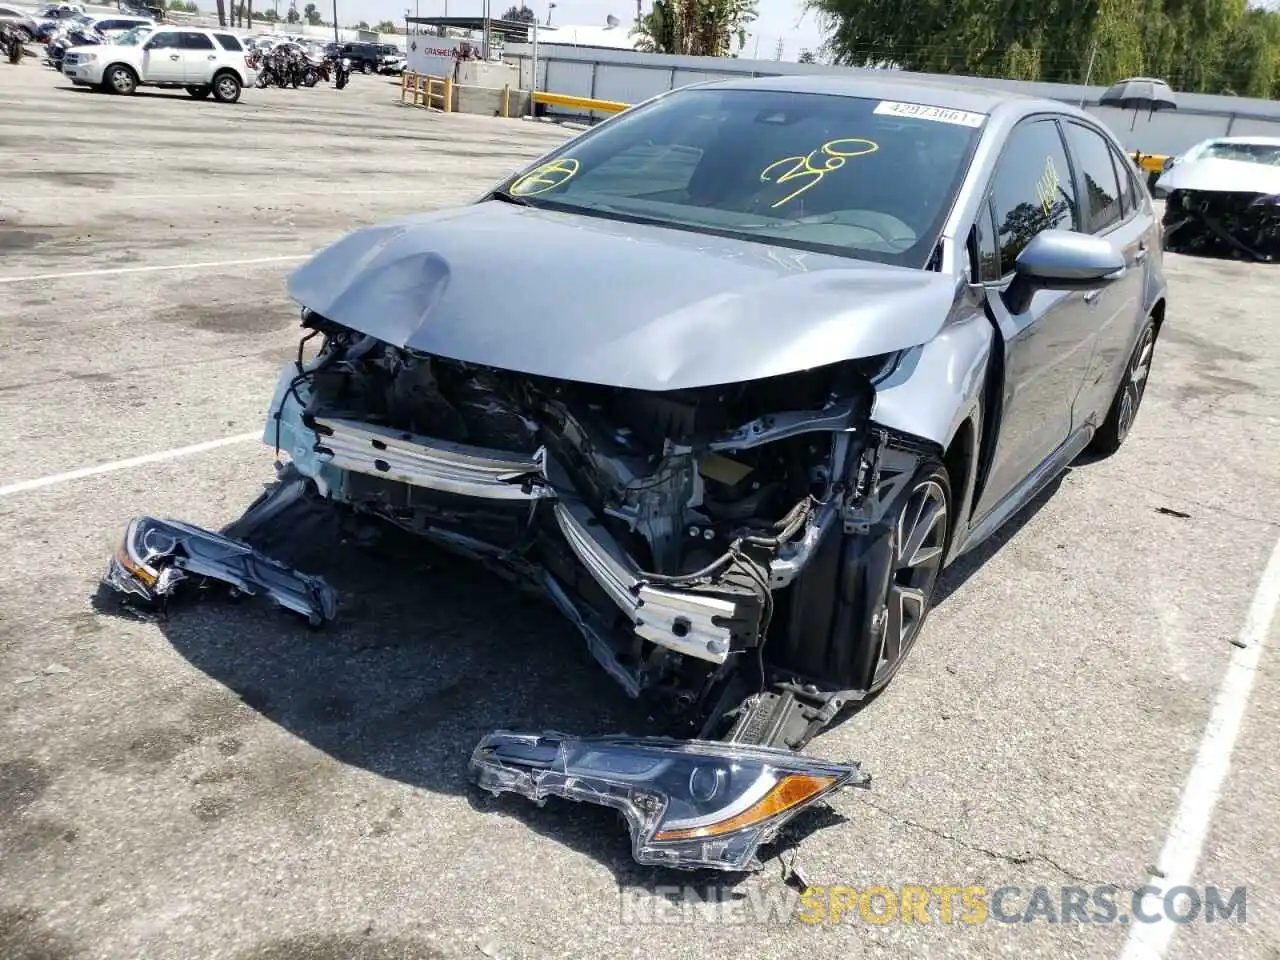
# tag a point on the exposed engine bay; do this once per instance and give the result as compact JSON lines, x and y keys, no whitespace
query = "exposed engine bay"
{"x":661,"y":524}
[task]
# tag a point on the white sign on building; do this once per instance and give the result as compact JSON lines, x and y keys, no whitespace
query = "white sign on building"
{"x":433,"y":55}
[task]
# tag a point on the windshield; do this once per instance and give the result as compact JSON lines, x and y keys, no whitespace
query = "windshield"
{"x":1248,"y":152}
{"x":861,"y":178}
{"x":131,"y":38}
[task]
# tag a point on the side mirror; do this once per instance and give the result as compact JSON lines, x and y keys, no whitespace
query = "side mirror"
{"x":1062,"y":260}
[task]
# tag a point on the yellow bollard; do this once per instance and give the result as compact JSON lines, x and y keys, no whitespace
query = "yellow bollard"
{"x":506,"y":100}
{"x":448,"y":94}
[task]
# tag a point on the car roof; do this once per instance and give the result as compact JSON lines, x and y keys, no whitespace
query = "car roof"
{"x":885,"y":85}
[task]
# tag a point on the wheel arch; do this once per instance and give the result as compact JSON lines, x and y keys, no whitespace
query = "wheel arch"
{"x":961,"y":461}
{"x":1158,"y":312}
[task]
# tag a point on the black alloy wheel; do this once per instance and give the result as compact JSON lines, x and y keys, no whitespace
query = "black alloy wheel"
{"x":919,"y":544}
{"x":1128,"y":398}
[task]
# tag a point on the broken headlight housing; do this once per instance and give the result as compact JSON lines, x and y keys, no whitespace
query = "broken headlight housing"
{"x":157,"y":556}
{"x":689,"y":804}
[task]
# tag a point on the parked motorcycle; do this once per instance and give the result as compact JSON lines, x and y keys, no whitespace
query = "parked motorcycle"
{"x":11,"y":43}
{"x":341,"y":71}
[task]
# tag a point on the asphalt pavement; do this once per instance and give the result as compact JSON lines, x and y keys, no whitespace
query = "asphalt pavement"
{"x":230,"y":784}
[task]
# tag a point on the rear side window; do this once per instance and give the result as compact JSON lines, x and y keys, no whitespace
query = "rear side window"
{"x":196,"y":41}
{"x":1130,"y":189}
{"x":1032,"y":188}
{"x":228,"y":42}
{"x":1098,"y":183}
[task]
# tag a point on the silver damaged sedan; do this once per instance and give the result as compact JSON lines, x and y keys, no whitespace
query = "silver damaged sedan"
{"x":730,"y":379}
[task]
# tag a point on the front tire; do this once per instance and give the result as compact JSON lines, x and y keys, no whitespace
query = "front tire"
{"x":226,"y":88}
{"x":1128,"y":398}
{"x":364,"y":67}
{"x":120,"y":80}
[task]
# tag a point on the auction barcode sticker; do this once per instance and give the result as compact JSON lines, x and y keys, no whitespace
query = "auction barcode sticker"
{"x":919,"y":111}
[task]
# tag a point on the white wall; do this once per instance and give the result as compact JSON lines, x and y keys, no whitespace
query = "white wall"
{"x":631,"y":77}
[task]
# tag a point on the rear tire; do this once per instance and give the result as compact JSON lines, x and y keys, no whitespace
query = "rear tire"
{"x":364,"y":67}
{"x":1124,"y":405}
{"x":226,"y":88}
{"x":200,"y":93}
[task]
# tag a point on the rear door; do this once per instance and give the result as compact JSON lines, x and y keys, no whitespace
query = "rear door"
{"x":199,"y":57}
{"x":162,"y":58}
{"x":1116,"y":307}
{"x":1048,"y":344}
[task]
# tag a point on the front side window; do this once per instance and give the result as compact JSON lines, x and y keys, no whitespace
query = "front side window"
{"x":856,"y":177}
{"x":1031,"y":188}
{"x":986,"y":251}
{"x":1099,"y":188}
{"x":164,"y":41}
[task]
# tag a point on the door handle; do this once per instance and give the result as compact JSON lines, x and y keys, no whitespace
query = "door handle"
{"x":1141,"y":254}
{"x":212,"y":56}
{"x":174,"y":56}
{"x":1092,"y":296}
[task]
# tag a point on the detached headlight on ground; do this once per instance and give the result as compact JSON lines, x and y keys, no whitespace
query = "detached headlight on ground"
{"x":690,"y":804}
{"x":157,"y":556}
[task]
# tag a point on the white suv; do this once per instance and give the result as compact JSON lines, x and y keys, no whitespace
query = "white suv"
{"x":201,"y":61}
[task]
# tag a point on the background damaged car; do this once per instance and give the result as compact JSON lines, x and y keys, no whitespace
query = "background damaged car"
{"x":729,"y":379}
{"x":1223,"y":197}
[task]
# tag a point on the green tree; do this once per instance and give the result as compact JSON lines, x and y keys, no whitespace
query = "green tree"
{"x":1196,"y":45}
{"x":698,"y":28}
{"x":521,"y":13}
{"x":386,"y":26}
{"x":806,"y":56}
{"x":292,"y":15}
{"x":312,"y":15}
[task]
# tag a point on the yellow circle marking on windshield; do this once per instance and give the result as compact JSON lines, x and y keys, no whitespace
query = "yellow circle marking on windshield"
{"x":832,"y":155}
{"x":546,"y":177}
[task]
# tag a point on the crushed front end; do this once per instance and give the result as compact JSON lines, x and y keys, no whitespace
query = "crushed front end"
{"x":1234,"y":223}
{"x":661,"y":524}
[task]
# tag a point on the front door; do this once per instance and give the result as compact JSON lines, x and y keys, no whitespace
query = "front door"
{"x":162,"y":58}
{"x":1048,"y":341}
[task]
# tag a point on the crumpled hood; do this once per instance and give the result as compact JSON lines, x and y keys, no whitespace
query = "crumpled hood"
{"x":602,"y":301}
{"x":1214,"y":174}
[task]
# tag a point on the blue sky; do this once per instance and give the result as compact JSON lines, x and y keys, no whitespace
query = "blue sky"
{"x":778,"y":19}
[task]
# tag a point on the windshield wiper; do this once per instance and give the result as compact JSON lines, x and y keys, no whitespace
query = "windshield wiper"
{"x":507,"y":197}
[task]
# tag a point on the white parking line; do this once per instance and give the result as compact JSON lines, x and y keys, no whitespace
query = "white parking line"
{"x":115,"y":465}
{"x":108,"y":271}
{"x":1178,"y":860}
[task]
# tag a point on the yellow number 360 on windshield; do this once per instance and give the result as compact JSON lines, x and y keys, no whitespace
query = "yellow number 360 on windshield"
{"x":832,"y":156}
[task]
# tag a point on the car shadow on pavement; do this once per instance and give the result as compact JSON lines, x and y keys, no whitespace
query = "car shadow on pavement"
{"x":427,"y":655}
